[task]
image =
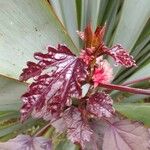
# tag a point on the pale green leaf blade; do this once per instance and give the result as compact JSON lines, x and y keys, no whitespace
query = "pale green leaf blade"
{"x":138,"y":112}
{"x":10,"y":93}
{"x":90,"y":12}
{"x":144,"y":72}
{"x":9,"y":115}
{"x":66,"y":145}
{"x":134,"y":16}
{"x":27,"y":26}
{"x":69,"y":15}
{"x":134,"y":98}
{"x":56,"y":5}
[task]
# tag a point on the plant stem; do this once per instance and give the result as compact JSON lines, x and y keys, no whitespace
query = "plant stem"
{"x":125,"y":89}
{"x":136,"y":81}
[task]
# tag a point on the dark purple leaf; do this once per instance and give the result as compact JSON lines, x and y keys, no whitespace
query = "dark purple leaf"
{"x":121,"y":56}
{"x":25,"y":142}
{"x":126,"y":135}
{"x":96,"y":141}
{"x":52,"y":89}
{"x":78,"y":130}
{"x":59,"y":125}
{"x":100,"y":104}
{"x":32,"y":71}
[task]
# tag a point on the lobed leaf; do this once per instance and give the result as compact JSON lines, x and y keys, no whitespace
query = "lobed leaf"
{"x":52,"y":89}
{"x":126,"y":135}
{"x":26,"y":142}
{"x":78,"y":130}
{"x":100,"y":104}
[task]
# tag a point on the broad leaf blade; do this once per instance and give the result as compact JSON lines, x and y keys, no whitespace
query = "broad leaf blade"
{"x":69,"y":15}
{"x":10,"y":92}
{"x":126,"y":135}
{"x":27,"y":26}
{"x":139,"y":112}
{"x":144,"y":72}
{"x":132,"y":12}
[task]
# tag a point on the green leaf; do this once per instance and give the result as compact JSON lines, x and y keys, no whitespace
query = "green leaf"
{"x":134,"y":98}
{"x":56,"y":5}
{"x":10,"y":93}
{"x":142,"y":73}
{"x":102,"y":9}
{"x":111,"y":19}
{"x":79,"y":10}
{"x":138,"y":112}
{"x":14,"y":127}
{"x":90,"y":11}
{"x":27,"y":26}
{"x":66,"y":145}
{"x":67,"y":13}
{"x":93,"y":11}
{"x":135,"y":15}
{"x":9,"y":115}
{"x":138,"y":72}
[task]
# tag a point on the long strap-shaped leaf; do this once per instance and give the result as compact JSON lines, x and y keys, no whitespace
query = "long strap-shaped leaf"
{"x":27,"y":26}
{"x":10,"y":92}
{"x":139,"y":112}
{"x":134,"y":16}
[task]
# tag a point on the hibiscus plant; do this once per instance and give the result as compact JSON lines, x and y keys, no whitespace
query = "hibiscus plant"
{"x":90,"y":95}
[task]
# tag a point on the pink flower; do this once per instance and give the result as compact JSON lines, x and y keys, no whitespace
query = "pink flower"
{"x":102,"y":74}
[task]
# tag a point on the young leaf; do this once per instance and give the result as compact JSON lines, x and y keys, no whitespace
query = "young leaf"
{"x":126,"y":135}
{"x":25,"y":142}
{"x":52,"y":90}
{"x":78,"y":130}
{"x":121,"y":56}
{"x":100,"y":104}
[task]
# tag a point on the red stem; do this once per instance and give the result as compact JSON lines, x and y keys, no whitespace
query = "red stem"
{"x":125,"y":89}
{"x":136,"y":81}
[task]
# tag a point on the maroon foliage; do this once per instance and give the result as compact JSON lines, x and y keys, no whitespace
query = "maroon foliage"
{"x":126,"y":135}
{"x":24,"y":142}
{"x":121,"y":56}
{"x":52,"y":89}
{"x":56,"y":95}
{"x":100,"y":104}
{"x":78,"y":130}
{"x":96,"y":141}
